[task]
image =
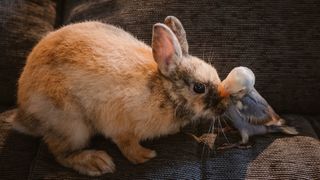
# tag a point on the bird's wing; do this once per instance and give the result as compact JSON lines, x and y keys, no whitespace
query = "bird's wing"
{"x":234,"y":115}
{"x":255,"y":108}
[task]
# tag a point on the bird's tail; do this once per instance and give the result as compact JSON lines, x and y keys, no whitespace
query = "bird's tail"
{"x":289,"y":130}
{"x":283,"y":129}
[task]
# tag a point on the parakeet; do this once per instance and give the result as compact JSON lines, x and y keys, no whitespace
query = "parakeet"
{"x":248,"y":111}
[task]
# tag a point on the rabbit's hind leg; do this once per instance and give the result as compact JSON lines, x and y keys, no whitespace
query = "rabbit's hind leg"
{"x":66,"y":132}
{"x":68,"y":148}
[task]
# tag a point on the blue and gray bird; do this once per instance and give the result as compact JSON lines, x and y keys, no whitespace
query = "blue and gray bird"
{"x":248,"y":111}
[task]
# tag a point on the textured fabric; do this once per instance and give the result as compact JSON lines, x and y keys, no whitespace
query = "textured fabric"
{"x":273,"y":156}
{"x":314,"y":120}
{"x":278,"y":40}
{"x":22,"y":24}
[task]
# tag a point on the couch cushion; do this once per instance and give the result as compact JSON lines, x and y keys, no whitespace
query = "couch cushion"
{"x":314,"y":121}
{"x":273,"y":156}
{"x":278,"y":40}
{"x":23,"y":23}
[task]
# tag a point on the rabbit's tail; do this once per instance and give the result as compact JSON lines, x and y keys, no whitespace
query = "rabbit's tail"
{"x":22,"y":123}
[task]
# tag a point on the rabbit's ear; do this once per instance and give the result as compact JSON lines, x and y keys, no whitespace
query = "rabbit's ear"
{"x":165,"y":48}
{"x":175,"y":25}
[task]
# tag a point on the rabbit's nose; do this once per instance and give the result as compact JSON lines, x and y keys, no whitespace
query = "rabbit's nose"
{"x":223,"y":105}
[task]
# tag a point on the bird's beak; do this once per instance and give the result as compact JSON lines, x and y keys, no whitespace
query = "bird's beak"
{"x":222,"y":91}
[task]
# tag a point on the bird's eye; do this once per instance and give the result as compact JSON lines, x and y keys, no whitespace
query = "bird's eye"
{"x":242,"y":91}
{"x":199,"y":88}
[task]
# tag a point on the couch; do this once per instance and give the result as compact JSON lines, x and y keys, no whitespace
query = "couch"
{"x":278,"y":40}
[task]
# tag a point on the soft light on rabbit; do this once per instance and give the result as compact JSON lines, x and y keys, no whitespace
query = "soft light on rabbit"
{"x":92,"y":78}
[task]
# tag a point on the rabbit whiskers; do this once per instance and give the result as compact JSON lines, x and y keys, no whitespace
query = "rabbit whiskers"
{"x":208,"y":139}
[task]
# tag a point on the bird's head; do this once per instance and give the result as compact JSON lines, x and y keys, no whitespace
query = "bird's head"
{"x":239,"y":82}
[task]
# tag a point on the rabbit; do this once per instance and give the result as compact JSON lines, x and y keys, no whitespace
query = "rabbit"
{"x":93,"y":78}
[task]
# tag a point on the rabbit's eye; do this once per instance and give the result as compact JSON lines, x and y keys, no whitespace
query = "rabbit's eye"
{"x":199,"y":88}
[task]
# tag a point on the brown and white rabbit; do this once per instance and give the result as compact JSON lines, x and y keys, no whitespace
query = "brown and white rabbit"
{"x":93,"y":78}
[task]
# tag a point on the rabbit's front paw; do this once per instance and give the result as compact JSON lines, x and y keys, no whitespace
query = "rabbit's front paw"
{"x":134,"y":152}
{"x":140,"y":155}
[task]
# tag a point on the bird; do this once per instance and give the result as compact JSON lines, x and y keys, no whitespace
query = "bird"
{"x":248,"y":111}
